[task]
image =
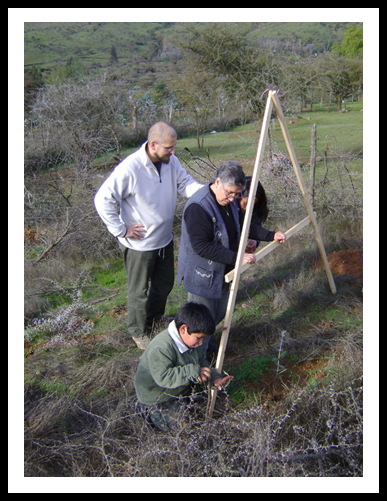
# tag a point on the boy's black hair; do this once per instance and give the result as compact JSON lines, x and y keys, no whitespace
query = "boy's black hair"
{"x":260,"y":208}
{"x":196,"y":317}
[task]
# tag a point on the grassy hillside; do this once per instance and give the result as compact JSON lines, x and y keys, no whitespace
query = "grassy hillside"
{"x":48,"y":44}
{"x":318,"y":36}
{"x":143,"y":49}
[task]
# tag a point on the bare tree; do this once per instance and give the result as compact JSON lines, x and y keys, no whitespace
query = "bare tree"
{"x":76,"y":123}
{"x":81,"y":114}
{"x":197,"y":92}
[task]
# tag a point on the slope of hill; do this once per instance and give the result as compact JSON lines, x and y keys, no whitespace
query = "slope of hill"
{"x":143,"y":47}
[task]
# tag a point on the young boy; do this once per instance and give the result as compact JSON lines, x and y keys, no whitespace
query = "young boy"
{"x":171,"y":364}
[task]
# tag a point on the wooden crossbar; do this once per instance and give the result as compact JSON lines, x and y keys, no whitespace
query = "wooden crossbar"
{"x":269,"y":248}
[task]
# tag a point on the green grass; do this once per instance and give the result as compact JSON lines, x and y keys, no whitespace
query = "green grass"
{"x":248,"y":370}
{"x":112,"y":274}
{"x":340,"y":131}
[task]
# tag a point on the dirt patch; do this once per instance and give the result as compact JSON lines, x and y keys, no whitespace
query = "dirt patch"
{"x":273,"y":387}
{"x":344,"y":262}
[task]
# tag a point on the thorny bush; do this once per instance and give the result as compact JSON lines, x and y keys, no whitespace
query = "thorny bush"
{"x":67,"y":323}
{"x":314,"y":432}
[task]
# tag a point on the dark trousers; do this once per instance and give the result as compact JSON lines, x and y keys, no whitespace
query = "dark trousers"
{"x":171,"y":415}
{"x":217,"y":307}
{"x":150,"y":280}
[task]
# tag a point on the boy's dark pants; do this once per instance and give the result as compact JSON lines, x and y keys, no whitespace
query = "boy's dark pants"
{"x":150,"y":280}
{"x":165,"y":416}
{"x":170,"y":415}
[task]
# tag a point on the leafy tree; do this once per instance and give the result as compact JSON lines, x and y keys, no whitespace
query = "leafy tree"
{"x":154,"y":48}
{"x":352,"y":44}
{"x":113,"y":55}
{"x":72,"y":69}
{"x":228,"y":52}
{"x":160,"y":93}
{"x":197,"y":92}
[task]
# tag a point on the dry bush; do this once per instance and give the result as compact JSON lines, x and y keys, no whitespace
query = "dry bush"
{"x":92,"y":429}
{"x":317,"y":433}
{"x":339,"y":191}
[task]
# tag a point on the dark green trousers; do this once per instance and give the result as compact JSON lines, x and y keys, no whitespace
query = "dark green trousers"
{"x":171,"y":415}
{"x":150,"y":280}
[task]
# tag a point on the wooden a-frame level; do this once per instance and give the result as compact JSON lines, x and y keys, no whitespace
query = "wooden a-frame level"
{"x":234,"y":275}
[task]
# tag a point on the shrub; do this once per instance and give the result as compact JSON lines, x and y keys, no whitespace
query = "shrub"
{"x":67,"y":322}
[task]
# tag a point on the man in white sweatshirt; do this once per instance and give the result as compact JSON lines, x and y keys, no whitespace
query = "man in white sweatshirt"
{"x":145,"y":186}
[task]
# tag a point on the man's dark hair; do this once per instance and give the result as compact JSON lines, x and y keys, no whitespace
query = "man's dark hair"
{"x":231,"y":172}
{"x":196,"y":317}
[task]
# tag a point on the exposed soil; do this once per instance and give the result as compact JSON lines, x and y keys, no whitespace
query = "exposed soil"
{"x":344,"y":262}
{"x":273,"y":387}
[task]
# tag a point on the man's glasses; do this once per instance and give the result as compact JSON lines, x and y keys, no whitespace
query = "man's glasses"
{"x":167,"y":147}
{"x":231,"y":195}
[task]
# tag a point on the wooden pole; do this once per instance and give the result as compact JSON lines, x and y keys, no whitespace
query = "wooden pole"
{"x":297,"y":169}
{"x":242,"y":247}
{"x":313,"y":163}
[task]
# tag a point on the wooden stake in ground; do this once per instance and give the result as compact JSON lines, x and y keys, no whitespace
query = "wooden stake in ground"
{"x":235,"y":274}
{"x":242,"y":247}
{"x":313,"y":164}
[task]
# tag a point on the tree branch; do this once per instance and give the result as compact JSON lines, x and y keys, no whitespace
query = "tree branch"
{"x":53,"y":244}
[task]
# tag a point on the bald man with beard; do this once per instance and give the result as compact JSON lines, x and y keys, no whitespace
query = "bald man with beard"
{"x":145,"y":186}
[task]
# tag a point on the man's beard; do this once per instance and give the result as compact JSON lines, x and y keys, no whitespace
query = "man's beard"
{"x":165,"y":159}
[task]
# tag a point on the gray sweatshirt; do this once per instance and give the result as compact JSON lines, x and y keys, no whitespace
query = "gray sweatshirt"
{"x":144,"y":197}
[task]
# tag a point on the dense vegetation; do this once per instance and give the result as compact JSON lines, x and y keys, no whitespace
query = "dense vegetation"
{"x":295,"y":408}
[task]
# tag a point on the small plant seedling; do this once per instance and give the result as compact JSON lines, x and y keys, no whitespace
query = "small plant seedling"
{"x":281,"y":353}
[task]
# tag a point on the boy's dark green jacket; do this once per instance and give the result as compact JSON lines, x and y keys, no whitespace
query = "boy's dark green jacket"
{"x":164,"y":372}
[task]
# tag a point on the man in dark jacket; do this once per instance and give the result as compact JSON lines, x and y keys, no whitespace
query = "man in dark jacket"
{"x":210,"y":235}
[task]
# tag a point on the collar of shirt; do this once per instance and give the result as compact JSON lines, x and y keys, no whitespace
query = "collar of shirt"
{"x":173,"y":332}
{"x":158,"y":166}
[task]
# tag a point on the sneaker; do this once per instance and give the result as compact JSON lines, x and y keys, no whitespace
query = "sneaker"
{"x":141,"y":342}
